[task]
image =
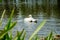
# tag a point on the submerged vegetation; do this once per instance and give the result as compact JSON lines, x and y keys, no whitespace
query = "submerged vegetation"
{"x":4,"y":34}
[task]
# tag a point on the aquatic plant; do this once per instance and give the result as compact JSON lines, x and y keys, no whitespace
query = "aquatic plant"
{"x":8,"y":27}
{"x":20,"y":35}
{"x":50,"y":36}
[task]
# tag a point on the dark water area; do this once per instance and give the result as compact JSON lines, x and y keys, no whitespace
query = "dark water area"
{"x":50,"y":13}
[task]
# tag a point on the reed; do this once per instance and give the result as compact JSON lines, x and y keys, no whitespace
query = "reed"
{"x":8,"y":27}
{"x":2,"y":17}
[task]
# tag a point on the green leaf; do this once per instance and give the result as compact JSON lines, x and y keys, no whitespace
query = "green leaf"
{"x":10,"y":36}
{"x":24,"y":34}
{"x":36,"y":37}
{"x":38,"y":28}
{"x":50,"y":36}
{"x":6,"y":37}
{"x":21,"y":32}
{"x":19,"y":35}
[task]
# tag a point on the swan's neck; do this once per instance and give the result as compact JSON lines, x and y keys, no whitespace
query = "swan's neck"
{"x":30,"y":17}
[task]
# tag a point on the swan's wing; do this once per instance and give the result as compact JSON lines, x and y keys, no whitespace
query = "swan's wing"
{"x":27,"y":19}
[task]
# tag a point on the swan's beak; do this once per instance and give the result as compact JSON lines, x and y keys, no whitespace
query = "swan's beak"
{"x":35,"y":21}
{"x":31,"y":21}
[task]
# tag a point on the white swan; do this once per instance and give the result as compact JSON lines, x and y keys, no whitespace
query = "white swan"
{"x":30,"y":19}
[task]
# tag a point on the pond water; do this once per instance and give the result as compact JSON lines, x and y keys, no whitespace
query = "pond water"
{"x":52,"y":17}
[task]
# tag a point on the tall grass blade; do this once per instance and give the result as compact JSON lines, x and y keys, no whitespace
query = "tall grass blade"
{"x":49,"y":37}
{"x":19,"y":34}
{"x":38,"y":28}
{"x":24,"y":34}
{"x":2,"y":17}
{"x":36,"y":37}
{"x":5,"y":32}
{"x":8,"y":27}
{"x":9,"y":21}
{"x":6,"y":37}
{"x":10,"y":36}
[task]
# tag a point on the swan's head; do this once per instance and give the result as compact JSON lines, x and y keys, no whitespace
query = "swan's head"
{"x":30,"y":15}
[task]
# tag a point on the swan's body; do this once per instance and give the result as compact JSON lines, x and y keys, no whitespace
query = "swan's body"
{"x":30,"y":19}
